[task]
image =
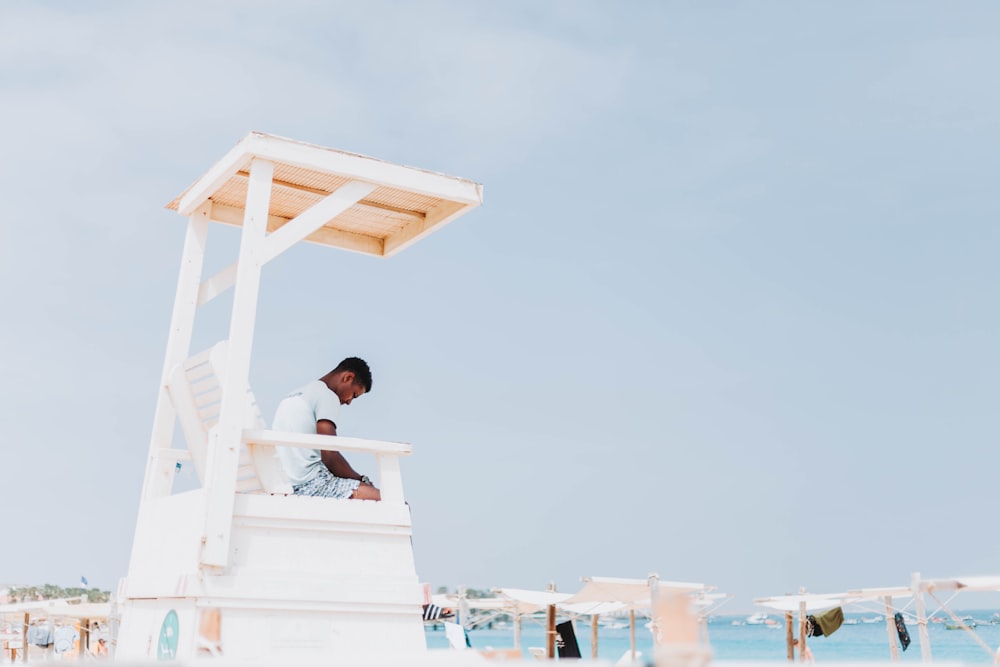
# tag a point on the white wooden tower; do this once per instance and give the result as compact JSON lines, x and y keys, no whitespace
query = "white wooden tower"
{"x":237,"y":567}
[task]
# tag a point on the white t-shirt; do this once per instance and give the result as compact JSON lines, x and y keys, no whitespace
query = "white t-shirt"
{"x":298,"y":413}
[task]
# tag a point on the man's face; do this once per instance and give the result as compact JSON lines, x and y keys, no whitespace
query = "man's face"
{"x":347,"y":390}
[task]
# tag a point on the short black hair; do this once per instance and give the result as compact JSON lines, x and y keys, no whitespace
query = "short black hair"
{"x":358,"y":366}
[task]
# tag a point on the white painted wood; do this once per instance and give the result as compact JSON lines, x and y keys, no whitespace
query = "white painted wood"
{"x":366,"y":245}
{"x":160,"y":472}
{"x":390,"y":478}
{"x":387,"y":453}
{"x":217,"y":284}
{"x":293,"y":578}
{"x":223,"y":451}
{"x":890,"y":628}
{"x":313,"y":218}
{"x":363,"y":168}
{"x":188,"y":417}
{"x":918,"y":599}
{"x":335,"y":443}
{"x":278,"y":149}
{"x":301,"y":512}
{"x":166,"y":544}
{"x":220,"y":172}
{"x":436,"y":218}
{"x":803,"y":649}
{"x":195,"y":390}
{"x":175,"y":455}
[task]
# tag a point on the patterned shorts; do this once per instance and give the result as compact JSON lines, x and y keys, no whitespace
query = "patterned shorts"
{"x":325,"y":485}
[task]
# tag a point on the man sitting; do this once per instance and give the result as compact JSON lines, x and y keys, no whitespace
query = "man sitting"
{"x":314,"y":409}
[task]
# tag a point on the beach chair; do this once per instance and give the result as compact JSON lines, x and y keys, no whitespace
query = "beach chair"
{"x":196,"y":393}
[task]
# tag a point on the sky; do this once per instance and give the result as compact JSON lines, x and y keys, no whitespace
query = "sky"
{"x":727,"y":314}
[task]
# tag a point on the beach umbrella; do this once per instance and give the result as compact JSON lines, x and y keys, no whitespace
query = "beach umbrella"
{"x":631,"y":594}
{"x":803,"y":602}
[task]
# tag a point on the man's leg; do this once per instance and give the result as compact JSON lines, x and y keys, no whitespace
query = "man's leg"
{"x":366,"y":492}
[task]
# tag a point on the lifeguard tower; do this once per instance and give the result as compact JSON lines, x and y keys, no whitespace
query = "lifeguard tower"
{"x":238,"y":567}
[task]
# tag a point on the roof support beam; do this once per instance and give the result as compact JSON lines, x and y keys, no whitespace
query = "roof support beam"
{"x":366,"y":245}
{"x":217,"y":284}
{"x":366,"y":205}
{"x":437,"y":217}
{"x":313,"y":218}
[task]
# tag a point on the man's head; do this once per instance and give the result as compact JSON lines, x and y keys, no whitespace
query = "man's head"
{"x":350,"y":379}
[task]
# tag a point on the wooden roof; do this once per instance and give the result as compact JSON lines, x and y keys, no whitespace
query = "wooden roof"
{"x":406,"y":205}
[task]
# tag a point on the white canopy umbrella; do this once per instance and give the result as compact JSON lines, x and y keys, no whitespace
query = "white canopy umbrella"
{"x":520,"y":602}
{"x":630,"y":594}
{"x":802,"y":602}
{"x":528,"y":602}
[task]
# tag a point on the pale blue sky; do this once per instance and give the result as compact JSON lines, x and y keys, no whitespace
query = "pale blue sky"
{"x":728,"y":312}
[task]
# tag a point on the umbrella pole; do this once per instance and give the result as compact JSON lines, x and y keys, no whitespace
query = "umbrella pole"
{"x":631,"y":618}
{"x":802,"y":628}
{"x":789,"y":637}
{"x":550,"y":633}
{"x":593,"y":636}
{"x":890,"y":628}
{"x":84,"y":639}
{"x":918,"y":598}
{"x":517,"y":629}
{"x":24,"y":638}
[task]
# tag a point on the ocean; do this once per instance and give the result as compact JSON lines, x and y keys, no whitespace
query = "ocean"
{"x":860,"y":642}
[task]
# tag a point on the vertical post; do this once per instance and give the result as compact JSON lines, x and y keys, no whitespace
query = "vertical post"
{"x":918,"y":598}
{"x":160,"y":476}
{"x":890,"y":628}
{"x":703,"y":628}
{"x":550,"y":632}
{"x":631,"y":632}
{"x":224,"y":442}
{"x":550,"y":628}
{"x":84,"y":639}
{"x":653,"y":581}
{"x":789,"y":637}
{"x":24,"y":638}
{"x":593,"y":636}
{"x":802,"y":626}
{"x":463,"y":608}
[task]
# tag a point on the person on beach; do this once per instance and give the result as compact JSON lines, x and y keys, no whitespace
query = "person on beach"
{"x":314,"y":409}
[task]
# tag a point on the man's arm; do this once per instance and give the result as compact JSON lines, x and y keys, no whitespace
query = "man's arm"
{"x":334,"y":461}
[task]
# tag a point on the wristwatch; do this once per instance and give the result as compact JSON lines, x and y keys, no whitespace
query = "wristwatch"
{"x":366,"y":480}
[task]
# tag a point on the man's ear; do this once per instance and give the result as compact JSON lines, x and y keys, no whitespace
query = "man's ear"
{"x":347,"y":377}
